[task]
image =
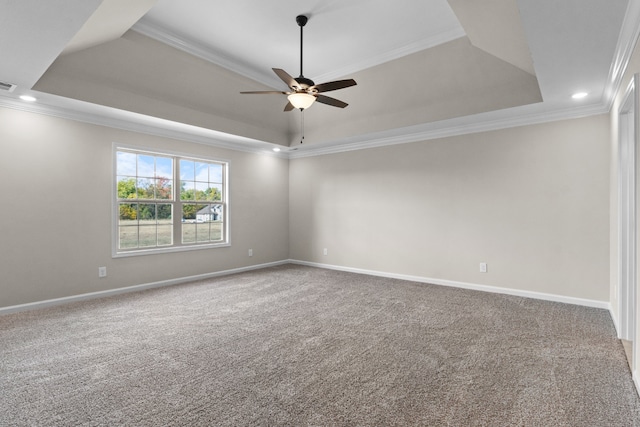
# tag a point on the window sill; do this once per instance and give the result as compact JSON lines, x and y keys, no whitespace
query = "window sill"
{"x":156,"y":251}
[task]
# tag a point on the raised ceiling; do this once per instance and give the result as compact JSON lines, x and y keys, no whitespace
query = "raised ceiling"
{"x":421,"y":65}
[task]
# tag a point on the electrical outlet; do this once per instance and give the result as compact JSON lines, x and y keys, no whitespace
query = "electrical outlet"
{"x":102,"y":271}
{"x":324,"y":251}
{"x":483,"y":267}
{"x":250,"y":252}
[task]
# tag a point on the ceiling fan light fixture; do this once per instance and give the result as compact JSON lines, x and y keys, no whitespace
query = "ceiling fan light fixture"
{"x":303,"y":92}
{"x":301,"y":100}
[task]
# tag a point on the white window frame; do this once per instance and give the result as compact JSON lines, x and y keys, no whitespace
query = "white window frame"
{"x":177,"y":245}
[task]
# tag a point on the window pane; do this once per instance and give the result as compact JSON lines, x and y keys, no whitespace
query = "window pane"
{"x":165,"y":213}
{"x":147,"y":236}
{"x":195,"y":219}
{"x":127,"y":187}
{"x":190,"y":212}
{"x":147,"y":213}
{"x":187,"y":170}
{"x":202,"y":172}
{"x":187,"y":190}
{"x":128,"y":237}
{"x":146,"y":166}
{"x":202,"y":231}
{"x":202,"y":223}
{"x":214,"y":192}
{"x":208,"y":213}
{"x":126,"y":163}
{"x":128,"y":214}
{"x":215,"y":173}
{"x":163,"y":189}
{"x":188,"y":232}
{"x":164,"y":167}
{"x":217,"y":212}
{"x":165,"y":235}
{"x":201,"y":190}
{"x":216,"y":231}
{"x":145,"y":188}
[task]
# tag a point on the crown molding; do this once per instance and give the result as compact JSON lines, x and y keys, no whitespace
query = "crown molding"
{"x":188,"y":46}
{"x":627,"y":40}
{"x":417,"y":46}
{"x":81,"y":111}
{"x":265,"y":76}
{"x":477,"y":123}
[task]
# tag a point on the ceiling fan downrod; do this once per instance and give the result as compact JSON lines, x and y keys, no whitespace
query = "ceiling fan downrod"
{"x":303,"y":92}
{"x":302,"y":21}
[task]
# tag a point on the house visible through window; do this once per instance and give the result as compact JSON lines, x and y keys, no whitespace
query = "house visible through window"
{"x":149,"y":201}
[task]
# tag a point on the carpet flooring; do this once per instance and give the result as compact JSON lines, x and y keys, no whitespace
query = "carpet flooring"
{"x":300,"y":346}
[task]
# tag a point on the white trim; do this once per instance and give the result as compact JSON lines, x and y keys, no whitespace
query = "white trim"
{"x":135,"y":288}
{"x":483,"y":122}
{"x":450,"y":283}
{"x":85,"y":112}
{"x":265,"y":76}
{"x":627,"y":235}
{"x":636,"y":381}
{"x":627,"y":40}
{"x":400,"y":52}
{"x":175,"y":247}
{"x":463,"y":285}
{"x":202,"y":52}
{"x":614,"y":318}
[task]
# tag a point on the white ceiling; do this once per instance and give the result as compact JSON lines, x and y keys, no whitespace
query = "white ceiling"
{"x":568,"y":46}
{"x":341,"y":37}
{"x":30,"y":40}
{"x":572,"y":42}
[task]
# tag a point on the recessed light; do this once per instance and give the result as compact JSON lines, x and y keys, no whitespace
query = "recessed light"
{"x":579,"y":95}
{"x":276,"y":149}
{"x":27,"y":98}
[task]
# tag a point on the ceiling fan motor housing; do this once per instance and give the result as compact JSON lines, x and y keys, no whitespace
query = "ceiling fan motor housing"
{"x":304,"y":91}
{"x":303,"y":83}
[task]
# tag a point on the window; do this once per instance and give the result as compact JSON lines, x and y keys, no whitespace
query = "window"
{"x":148,"y":201}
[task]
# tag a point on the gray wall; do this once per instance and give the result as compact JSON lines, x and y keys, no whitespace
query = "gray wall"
{"x":532,"y":202}
{"x":55,"y":221}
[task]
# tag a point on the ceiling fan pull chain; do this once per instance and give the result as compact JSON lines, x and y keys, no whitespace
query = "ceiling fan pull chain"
{"x":302,"y":125}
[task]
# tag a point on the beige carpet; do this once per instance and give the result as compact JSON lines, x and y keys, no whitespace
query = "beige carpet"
{"x":299,"y":346}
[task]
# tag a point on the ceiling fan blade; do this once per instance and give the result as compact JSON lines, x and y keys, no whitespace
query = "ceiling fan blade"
{"x":285,"y":77}
{"x":289,"y":107}
{"x":275,"y":92}
{"x":330,"y":101}
{"x":338,"y":84}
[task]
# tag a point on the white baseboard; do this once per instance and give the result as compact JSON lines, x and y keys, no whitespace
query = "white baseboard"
{"x":614,"y":318}
{"x":484,"y":288}
{"x":636,"y":381}
{"x":493,"y":289}
{"x":135,"y":288}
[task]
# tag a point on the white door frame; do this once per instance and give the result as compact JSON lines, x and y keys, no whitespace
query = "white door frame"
{"x":627,"y":220}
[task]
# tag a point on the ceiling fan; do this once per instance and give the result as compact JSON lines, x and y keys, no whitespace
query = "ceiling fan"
{"x":304,"y":92}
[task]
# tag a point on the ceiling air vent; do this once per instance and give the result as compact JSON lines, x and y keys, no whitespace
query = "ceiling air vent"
{"x":7,"y":87}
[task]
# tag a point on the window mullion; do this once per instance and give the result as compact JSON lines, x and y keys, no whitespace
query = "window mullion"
{"x":177,"y":206}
